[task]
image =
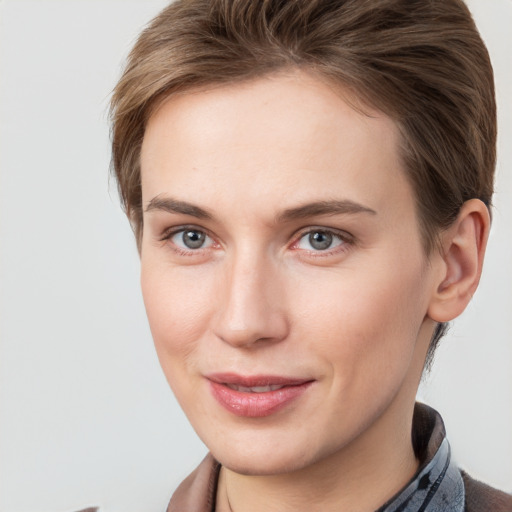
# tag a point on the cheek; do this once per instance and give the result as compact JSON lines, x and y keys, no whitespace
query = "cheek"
{"x":178,"y":308}
{"x":364,"y":325}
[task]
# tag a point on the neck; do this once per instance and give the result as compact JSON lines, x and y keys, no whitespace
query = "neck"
{"x":357,"y":478}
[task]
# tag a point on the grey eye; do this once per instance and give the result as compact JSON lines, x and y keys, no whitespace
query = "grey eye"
{"x":320,"y":240}
{"x":191,"y":239}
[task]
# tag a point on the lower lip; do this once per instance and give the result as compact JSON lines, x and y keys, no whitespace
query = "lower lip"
{"x":256,"y":405}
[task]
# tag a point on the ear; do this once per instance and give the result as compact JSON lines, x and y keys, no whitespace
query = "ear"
{"x":462,"y":253}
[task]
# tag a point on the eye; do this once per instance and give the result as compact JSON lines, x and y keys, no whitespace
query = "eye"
{"x":319,"y":240}
{"x":191,"y":239}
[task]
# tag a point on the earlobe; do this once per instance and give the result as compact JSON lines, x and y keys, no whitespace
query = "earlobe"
{"x":463,"y":249}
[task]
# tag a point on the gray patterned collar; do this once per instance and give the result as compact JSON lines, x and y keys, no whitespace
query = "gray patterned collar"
{"x":438,"y":484}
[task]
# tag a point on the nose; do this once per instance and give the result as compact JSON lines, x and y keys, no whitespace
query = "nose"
{"x":251,"y":308}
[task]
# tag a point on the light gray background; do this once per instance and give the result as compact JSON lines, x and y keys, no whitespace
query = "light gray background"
{"x":86,"y":415}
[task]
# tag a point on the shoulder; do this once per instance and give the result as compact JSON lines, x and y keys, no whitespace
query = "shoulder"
{"x":481,"y":497}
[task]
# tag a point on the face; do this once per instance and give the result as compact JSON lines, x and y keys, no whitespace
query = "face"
{"x":283,"y":272}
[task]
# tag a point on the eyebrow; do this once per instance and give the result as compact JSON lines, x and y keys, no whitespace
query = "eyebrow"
{"x":334,"y":207}
{"x":170,"y":205}
{"x":324,"y":208}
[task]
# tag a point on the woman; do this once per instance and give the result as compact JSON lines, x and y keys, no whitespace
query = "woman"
{"x":309,"y":185}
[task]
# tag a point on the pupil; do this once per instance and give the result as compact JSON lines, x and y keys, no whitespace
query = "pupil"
{"x":193,"y":239}
{"x":320,"y":240}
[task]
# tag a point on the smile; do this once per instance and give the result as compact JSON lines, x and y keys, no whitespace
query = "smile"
{"x":258,"y":396}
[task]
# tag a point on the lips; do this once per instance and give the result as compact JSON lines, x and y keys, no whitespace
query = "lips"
{"x":256,"y":396}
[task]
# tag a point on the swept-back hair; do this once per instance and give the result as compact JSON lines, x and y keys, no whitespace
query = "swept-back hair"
{"x":421,"y":62}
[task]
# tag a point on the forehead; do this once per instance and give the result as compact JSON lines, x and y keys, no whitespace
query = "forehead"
{"x":287,"y":132}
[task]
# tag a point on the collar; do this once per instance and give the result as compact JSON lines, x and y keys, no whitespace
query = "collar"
{"x":436,"y":486}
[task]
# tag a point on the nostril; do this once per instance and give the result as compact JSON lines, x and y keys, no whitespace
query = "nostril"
{"x":268,"y":329}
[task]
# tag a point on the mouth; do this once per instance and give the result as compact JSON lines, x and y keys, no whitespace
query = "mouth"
{"x":256,"y":396}
{"x":254,"y":389}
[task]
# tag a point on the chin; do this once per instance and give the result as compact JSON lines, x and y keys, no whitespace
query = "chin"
{"x":263,"y":464}
{"x":265,"y":457}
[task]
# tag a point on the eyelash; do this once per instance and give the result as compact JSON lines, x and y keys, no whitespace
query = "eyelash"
{"x":345,"y":241}
{"x":169,"y":234}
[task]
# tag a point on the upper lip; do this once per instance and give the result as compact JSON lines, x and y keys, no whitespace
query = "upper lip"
{"x":255,"y":380}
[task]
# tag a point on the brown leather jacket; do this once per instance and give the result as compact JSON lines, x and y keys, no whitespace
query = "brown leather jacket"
{"x":482,"y":498}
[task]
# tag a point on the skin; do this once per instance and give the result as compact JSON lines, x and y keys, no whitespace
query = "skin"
{"x":236,"y":163}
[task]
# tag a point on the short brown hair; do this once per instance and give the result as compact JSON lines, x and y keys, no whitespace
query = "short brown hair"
{"x":421,"y":62}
